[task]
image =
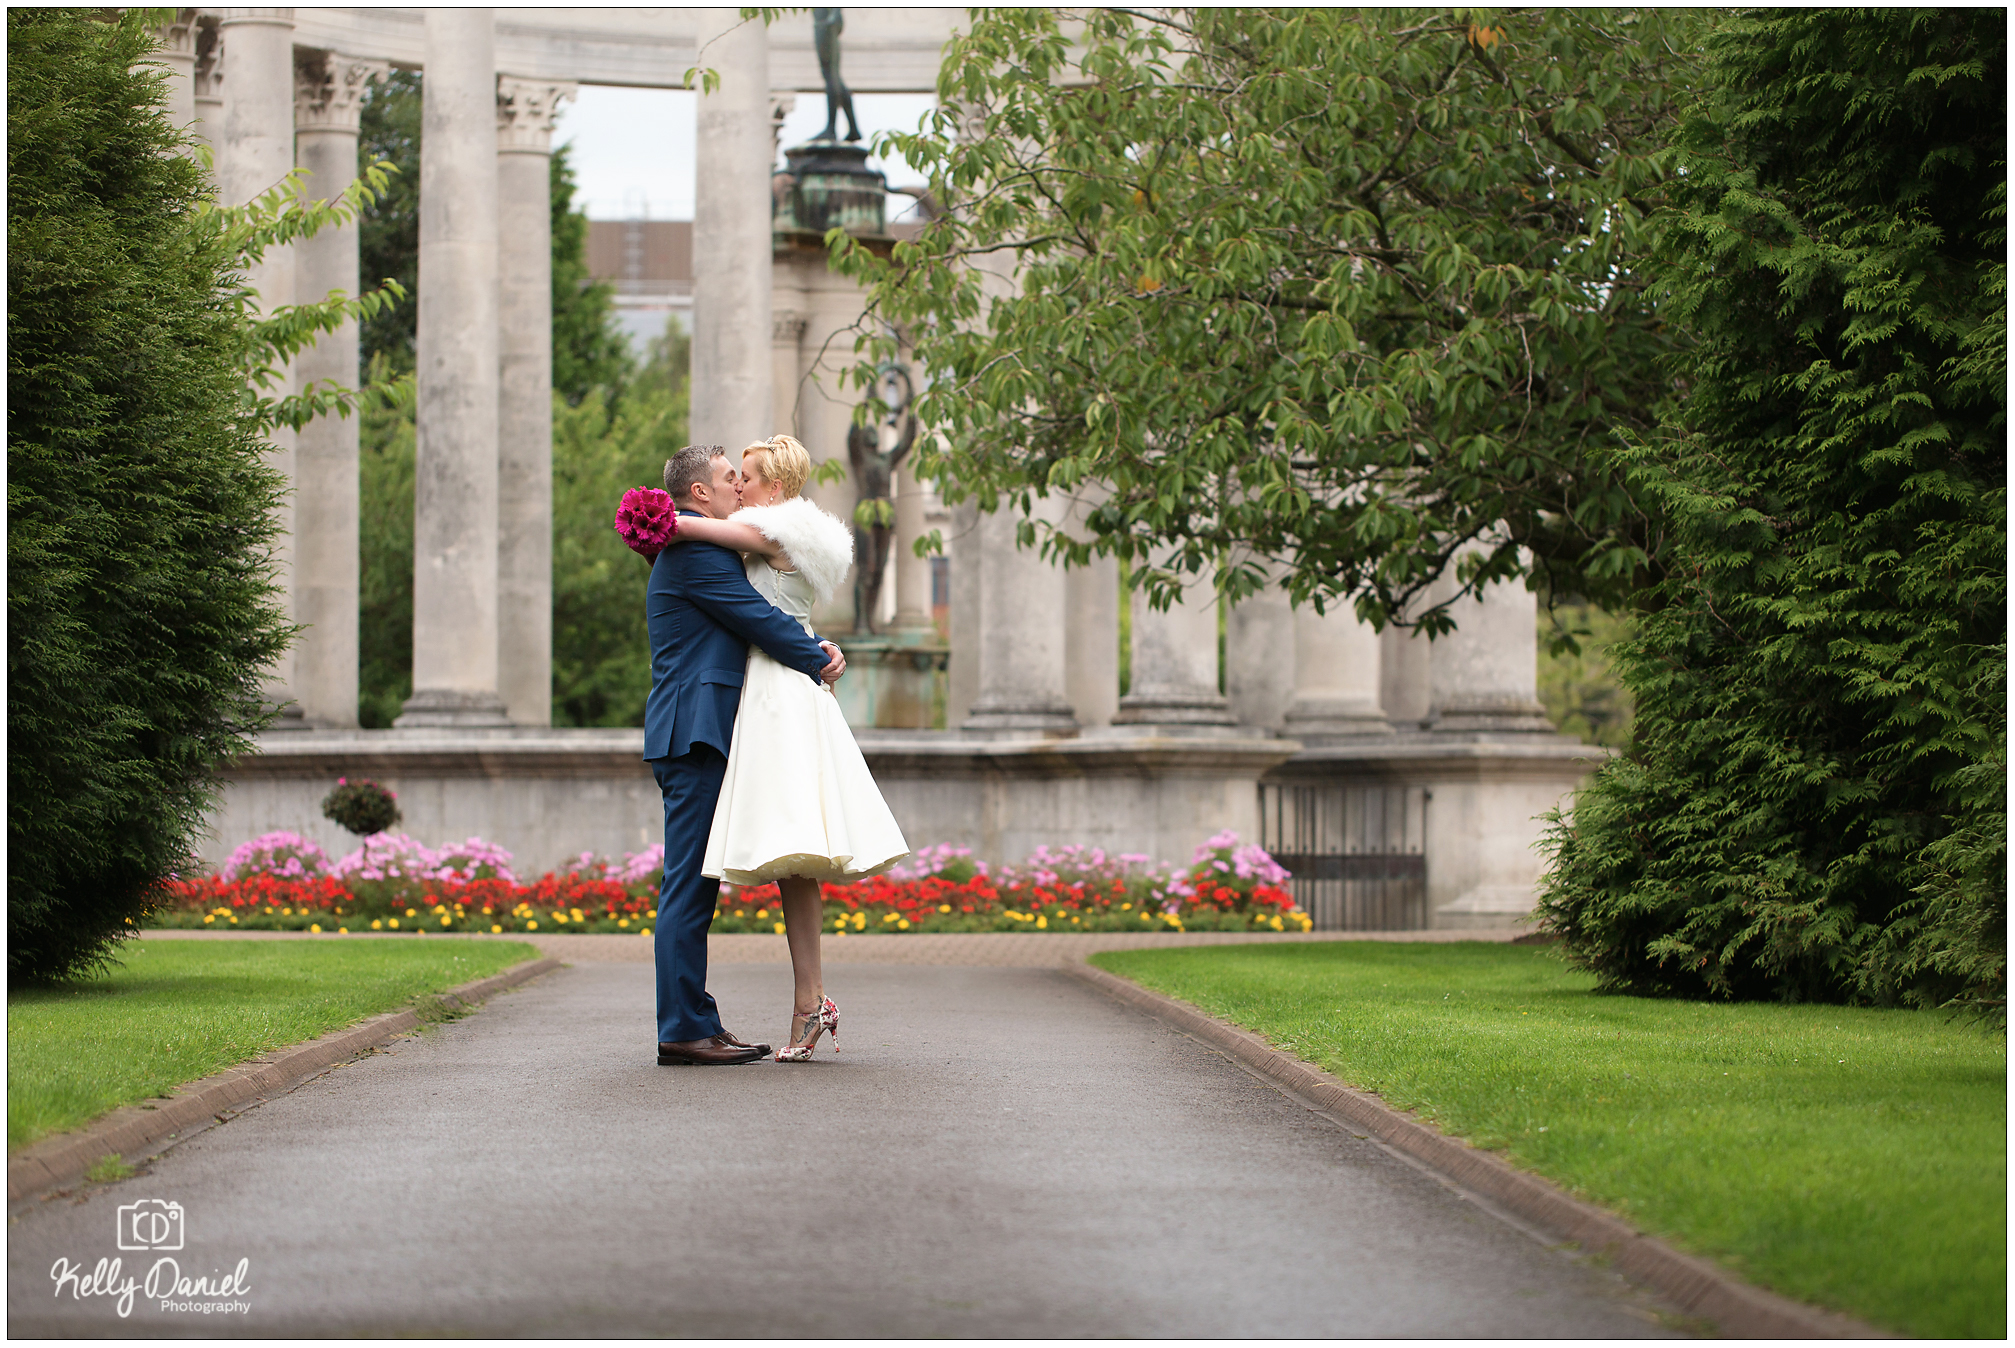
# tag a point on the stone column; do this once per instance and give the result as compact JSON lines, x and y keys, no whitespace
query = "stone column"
{"x":177,"y":58}
{"x":967,"y":616}
{"x":328,"y":95}
{"x":1023,"y":684}
{"x":525,"y":112}
{"x":254,"y":153}
{"x":1336,"y":676}
{"x":1091,"y":632}
{"x":455,"y":471}
{"x":787,"y":333}
{"x":1259,"y":656}
{"x":1404,"y":673}
{"x":731,"y":389}
{"x":1174,"y":682}
{"x":913,"y":573}
{"x":1484,"y":676}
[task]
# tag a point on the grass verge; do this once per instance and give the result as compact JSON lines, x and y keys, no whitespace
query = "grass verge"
{"x":1849,"y":1157}
{"x":174,"y":1011}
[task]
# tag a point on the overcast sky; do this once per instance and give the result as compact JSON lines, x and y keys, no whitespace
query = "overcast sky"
{"x":633,"y":148}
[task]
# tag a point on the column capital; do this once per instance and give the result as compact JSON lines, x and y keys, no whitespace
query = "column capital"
{"x":329,"y":89}
{"x":526,"y":111}
{"x":178,"y":35}
{"x":787,"y":327}
{"x":282,"y":17}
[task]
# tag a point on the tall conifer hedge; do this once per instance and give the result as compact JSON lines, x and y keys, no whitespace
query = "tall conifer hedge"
{"x":139,"y":504}
{"x":1813,"y":804}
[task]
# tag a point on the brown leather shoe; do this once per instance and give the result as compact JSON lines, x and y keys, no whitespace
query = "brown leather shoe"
{"x":726,"y":1038}
{"x":713,"y":1052}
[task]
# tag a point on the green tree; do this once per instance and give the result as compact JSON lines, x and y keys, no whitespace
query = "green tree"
{"x":589,"y":350}
{"x":601,"y":649}
{"x":1812,"y":805}
{"x":140,"y":506}
{"x":388,"y":238}
{"x":1354,"y":289}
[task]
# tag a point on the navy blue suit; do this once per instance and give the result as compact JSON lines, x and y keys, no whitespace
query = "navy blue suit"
{"x":704,"y":615}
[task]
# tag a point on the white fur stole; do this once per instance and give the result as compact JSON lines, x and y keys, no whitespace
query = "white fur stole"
{"x":821,"y":547}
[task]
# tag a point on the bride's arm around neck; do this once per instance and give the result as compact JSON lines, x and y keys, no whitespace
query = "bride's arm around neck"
{"x":733,"y":533}
{"x":815,"y":544}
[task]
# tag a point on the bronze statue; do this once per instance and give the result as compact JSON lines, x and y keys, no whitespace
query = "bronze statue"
{"x":874,"y":478}
{"x":826,"y":27}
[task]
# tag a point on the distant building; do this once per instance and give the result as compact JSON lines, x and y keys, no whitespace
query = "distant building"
{"x":650,"y":263}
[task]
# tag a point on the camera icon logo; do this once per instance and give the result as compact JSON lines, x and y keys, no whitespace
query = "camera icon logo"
{"x":150,"y":1224}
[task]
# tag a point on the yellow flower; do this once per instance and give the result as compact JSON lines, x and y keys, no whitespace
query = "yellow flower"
{"x":395,"y":924}
{"x":738,"y":912}
{"x":447,"y":922}
{"x":622,"y":922}
{"x":762,"y":913}
{"x":234,"y":921}
{"x":495,"y":927}
{"x":903,"y":925}
{"x":314,"y":926}
{"x":577,"y":915}
{"x":532,"y":924}
{"x":841,"y":932}
{"x":944,"y":908}
{"x":645,"y":932}
{"x":284,"y":912}
{"x":419,"y":931}
{"x":1126,"y":908}
{"x":1042,"y":922}
{"x":780,"y":927}
{"x":1073,"y":919}
{"x":559,"y":917}
{"x":376,"y":925}
{"x":269,"y":907}
{"x":342,"y":931}
{"x":412,"y":912}
{"x":209,"y":917}
{"x":860,"y":921}
{"x":1145,"y":918}
{"x":888,"y":917}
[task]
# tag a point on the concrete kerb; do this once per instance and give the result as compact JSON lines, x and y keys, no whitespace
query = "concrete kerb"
{"x":1693,"y":1286}
{"x":60,"y":1161}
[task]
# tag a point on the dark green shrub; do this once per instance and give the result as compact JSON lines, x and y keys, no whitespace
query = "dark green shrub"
{"x":139,"y":501}
{"x":1812,"y":804}
{"x":361,"y":806}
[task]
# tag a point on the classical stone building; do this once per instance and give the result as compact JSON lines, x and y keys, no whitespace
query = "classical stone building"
{"x":1402,"y":779}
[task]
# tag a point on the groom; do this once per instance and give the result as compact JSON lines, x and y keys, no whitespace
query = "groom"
{"x":704,"y":615}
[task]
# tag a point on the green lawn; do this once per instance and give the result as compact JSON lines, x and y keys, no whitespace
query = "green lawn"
{"x":1848,"y":1157}
{"x":178,"y":1010}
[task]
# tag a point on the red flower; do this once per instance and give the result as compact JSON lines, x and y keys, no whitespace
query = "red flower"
{"x":647,"y":521}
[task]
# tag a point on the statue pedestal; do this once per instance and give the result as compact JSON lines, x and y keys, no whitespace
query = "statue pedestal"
{"x":894,"y":680}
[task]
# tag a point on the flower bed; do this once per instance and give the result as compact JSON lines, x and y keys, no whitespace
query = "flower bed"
{"x":391,"y":883}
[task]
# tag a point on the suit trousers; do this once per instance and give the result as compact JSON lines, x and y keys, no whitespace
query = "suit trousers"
{"x":691,"y":784}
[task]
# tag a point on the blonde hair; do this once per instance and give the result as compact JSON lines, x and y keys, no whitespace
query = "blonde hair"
{"x":783,"y":461}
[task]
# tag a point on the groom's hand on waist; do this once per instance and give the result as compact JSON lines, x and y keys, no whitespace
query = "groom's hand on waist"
{"x":831,"y":673}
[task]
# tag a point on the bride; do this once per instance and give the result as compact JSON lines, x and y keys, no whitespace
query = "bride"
{"x":798,"y":805}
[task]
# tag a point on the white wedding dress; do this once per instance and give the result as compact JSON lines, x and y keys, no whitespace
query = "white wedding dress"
{"x":798,"y":798}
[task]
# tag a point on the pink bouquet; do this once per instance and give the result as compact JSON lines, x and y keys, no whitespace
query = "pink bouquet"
{"x":647,"y":521}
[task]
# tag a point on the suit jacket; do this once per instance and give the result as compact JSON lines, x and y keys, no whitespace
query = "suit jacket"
{"x":704,"y":615}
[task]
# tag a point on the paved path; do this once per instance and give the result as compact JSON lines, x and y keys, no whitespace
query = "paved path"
{"x":997,"y":1152}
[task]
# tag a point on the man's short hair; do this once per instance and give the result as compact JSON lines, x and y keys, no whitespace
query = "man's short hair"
{"x":694,"y":463}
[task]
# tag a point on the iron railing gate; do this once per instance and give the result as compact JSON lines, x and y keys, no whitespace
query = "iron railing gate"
{"x":1358,"y":854}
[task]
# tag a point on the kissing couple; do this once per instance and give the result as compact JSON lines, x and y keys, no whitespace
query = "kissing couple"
{"x":761,"y":777}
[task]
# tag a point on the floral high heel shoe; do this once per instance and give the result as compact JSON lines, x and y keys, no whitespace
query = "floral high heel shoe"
{"x":807,"y":1026}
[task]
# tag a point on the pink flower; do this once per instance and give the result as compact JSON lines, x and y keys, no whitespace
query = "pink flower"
{"x":647,"y":521}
